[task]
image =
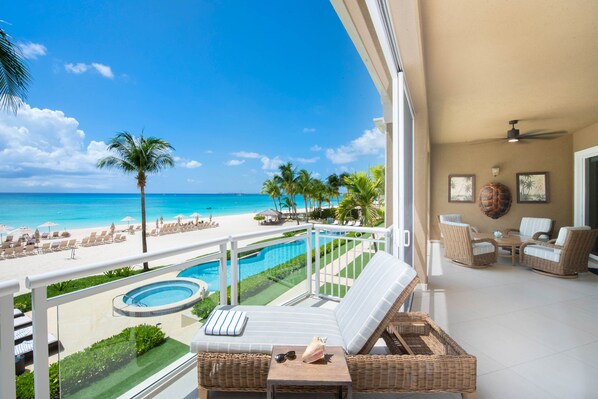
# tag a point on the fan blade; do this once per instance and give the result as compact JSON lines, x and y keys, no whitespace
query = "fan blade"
{"x":484,"y":141}
{"x":545,"y":135}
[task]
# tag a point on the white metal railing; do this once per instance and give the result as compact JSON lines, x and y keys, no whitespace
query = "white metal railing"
{"x":7,"y":339}
{"x":364,"y":239}
{"x":344,"y":255}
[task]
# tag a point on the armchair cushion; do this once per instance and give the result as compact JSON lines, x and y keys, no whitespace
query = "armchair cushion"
{"x":530,"y":226}
{"x":480,"y":248}
{"x":452,"y":217}
{"x":560,"y":240}
{"x":547,"y":253}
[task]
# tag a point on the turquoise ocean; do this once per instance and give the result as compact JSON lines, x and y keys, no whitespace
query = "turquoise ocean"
{"x":72,"y":211}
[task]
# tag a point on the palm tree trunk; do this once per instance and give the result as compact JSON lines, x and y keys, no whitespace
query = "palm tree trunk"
{"x":275,"y":208}
{"x":143,"y":232}
{"x":306,"y":214}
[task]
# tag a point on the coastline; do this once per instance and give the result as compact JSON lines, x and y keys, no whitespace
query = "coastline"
{"x":19,"y":268}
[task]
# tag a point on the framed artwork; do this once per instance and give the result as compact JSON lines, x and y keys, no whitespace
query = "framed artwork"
{"x":532,"y":187}
{"x":461,"y":188}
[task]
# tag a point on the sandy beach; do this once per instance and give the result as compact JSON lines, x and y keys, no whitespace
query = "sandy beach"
{"x":19,"y":268}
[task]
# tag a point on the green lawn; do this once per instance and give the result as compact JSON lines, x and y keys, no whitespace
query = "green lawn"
{"x":354,"y":269}
{"x":136,"y":371}
{"x":333,"y":290}
{"x":275,"y":290}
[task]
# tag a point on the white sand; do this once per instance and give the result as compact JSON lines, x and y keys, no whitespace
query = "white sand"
{"x":19,"y":268}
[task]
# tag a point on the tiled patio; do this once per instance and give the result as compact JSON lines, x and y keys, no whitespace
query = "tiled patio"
{"x":534,"y":336}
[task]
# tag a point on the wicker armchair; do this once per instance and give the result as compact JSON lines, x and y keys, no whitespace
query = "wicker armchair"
{"x":564,"y":257}
{"x":533,"y":229}
{"x":461,"y":247}
{"x":455,"y":218}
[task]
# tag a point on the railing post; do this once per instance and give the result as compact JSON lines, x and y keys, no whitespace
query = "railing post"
{"x":388,"y":241}
{"x":7,"y":340}
{"x":317,"y":245}
{"x":234,"y":273}
{"x":308,"y":249}
{"x":41,"y":364}
{"x":223,"y":275}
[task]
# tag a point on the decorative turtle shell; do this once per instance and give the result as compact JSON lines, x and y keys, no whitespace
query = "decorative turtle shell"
{"x":495,"y":200}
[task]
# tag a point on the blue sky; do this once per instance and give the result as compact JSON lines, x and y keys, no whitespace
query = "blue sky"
{"x":237,"y":87}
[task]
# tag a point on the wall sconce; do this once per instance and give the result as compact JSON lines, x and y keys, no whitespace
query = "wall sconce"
{"x":495,"y":171}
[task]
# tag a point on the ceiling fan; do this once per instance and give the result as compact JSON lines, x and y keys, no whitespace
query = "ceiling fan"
{"x":514,"y":135}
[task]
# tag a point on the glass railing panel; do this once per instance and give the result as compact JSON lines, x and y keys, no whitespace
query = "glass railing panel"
{"x":273,"y":274}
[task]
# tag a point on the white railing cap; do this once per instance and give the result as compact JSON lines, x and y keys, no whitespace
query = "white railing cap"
{"x":9,"y":287}
{"x":277,"y":230}
{"x":45,"y":279}
{"x":358,"y":229}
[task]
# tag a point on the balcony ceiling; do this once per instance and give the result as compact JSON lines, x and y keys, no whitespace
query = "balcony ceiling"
{"x":487,"y":62}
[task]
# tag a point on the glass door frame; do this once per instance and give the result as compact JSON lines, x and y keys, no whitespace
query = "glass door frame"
{"x":579,"y":186}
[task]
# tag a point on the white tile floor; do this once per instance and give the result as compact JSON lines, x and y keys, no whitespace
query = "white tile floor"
{"x":534,"y":336}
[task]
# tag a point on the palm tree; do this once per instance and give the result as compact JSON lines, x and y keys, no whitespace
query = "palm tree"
{"x":273,"y":190}
{"x":362,"y":194}
{"x":14,"y":76}
{"x":141,"y":156}
{"x":303,"y":187}
{"x":287,"y":180}
{"x":334,"y":184}
{"x":287,"y":203}
{"x":318,"y":193}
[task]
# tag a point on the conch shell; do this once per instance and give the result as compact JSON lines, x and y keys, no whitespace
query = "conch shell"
{"x":315,"y":350}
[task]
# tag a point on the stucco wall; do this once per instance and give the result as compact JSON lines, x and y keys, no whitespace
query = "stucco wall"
{"x":585,"y":138}
{"x":552,"y":156}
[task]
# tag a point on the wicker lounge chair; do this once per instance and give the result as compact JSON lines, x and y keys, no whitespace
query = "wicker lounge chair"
{"x":25,"y":348}
{"x":454,"y":218}
{"x":564,"y":257}
{"x":533,"y":229}
{"x":363,"y":316}
{"x":462,"y":248}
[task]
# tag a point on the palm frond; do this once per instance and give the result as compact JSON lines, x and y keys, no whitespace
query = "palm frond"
{"x":14,"y":76}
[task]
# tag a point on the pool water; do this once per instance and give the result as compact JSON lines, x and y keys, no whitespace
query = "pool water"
{"x":267,"y":258}
{"x":162,"y":293}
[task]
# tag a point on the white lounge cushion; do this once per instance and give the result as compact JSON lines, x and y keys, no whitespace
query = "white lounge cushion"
{"x":23,"y":333}
{"x":530,"y":226}
{"x":481,"y":248}
{"x":26,"y":347}
{"x":22,"y":321}
{"x":553,"y":255}
{"x":370,"y":298}
{"x":272,"y":325}
{"x":452,"y":217}
{"x":560,"y":240}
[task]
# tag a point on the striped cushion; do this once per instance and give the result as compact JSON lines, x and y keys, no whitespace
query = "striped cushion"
{"x":26,"y":347}
{"x":553,"y":255}
{"x":370,"y":299}
{"x":530,"y":226}
{"x":272,"y":325}
{"x":23,"y":333}
{"x":563,"y":233}
{"x":480,"y":248}
{"x":225,"y":322}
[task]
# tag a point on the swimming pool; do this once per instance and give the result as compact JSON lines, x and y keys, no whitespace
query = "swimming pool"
{"x":160,"y":298}
{"x":265,"y":259}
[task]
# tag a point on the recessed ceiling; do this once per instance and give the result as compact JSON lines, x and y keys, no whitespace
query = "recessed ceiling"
{"x":487,"y":62}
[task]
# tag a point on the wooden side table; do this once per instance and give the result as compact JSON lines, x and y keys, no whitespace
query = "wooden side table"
{"x":331,"y":371}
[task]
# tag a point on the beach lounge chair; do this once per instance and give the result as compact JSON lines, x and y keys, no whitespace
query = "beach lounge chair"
{"x":20,"y":251}
{"x":72,"y":244}
{"x":46,"y":247}
{"x":85,"y":242}
{"x":6,"y":244}
{"x":25,"y":348}
{"x":30,"y":249}
{"x":9,"y":253}
{"x":22,"y":322}
{"x":241,"y":363}
{"x":56,"y":234}
{"x":63,"y":245}
{"x":45,"y":236}
{"x":9,"y":238}
{"x":23,"y":334}
{"x":65,"y":234}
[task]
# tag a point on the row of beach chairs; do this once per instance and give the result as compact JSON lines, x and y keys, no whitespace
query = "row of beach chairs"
{"x":94,"y":239}
{"x":171,"y":228}
{"x":55,"y":246}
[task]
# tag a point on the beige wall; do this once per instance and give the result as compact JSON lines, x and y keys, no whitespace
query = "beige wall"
{"x":553,"y":156}
{"x":585,"y":138}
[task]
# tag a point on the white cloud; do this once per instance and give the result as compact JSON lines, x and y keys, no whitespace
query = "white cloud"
{"x":80,"y":68}
{"x":309,"y":129}
{"x":306,"y":160}
{"x":192,"y":164}
{"x":235,"y":162}
{"x":41,"y":147}
{"x":316,"y":175}
{"x":315,"y":148}
{"x":32,"y":50}
{"x":271,"y":163}
{"x":209,"y":151}
{"x":371,"y":142}
{"x":245,"y":154}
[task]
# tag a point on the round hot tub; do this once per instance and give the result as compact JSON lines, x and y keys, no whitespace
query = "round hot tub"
{"x":160,"y":298}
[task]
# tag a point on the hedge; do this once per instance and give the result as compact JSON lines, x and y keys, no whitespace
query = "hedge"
{"x":94,"y":362}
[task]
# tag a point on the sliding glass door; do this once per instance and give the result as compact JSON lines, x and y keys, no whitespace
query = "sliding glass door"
{"x":591,"y":211}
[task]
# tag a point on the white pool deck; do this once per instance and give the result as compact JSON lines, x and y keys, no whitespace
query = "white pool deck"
{"x":534,"y":336}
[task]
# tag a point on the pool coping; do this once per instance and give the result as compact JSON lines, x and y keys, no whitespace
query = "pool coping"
{"x":122,"y":308}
